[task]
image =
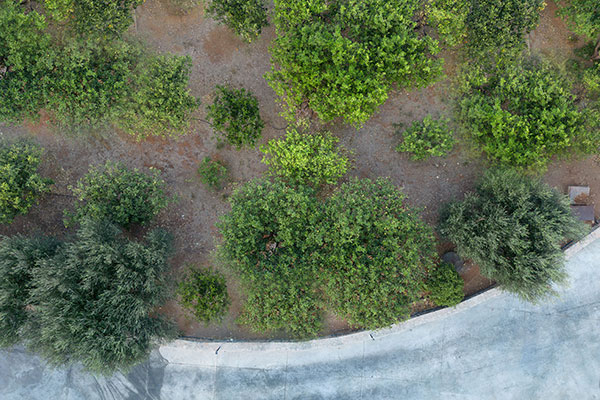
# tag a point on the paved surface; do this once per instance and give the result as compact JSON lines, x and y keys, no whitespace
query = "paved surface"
{"x":490,"y":347}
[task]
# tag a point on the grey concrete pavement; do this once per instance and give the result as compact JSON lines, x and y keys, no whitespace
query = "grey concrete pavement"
{"x":491,"y":347}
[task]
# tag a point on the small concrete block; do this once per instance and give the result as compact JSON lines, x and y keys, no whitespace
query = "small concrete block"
{"x":579,"y":194}
{"x":584,"y":213}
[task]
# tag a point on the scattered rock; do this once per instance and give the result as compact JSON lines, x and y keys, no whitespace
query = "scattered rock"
{"x":459,"y":265}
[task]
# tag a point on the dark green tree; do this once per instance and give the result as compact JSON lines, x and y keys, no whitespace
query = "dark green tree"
{"x":512,"y":226}
{"x":95,"y":301}
{"x":18,"y":258}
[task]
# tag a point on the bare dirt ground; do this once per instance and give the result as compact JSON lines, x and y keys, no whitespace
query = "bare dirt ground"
{"x":220,"y":57}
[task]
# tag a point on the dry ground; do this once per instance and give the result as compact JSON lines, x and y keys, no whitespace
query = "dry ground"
{"x":220,"y":57}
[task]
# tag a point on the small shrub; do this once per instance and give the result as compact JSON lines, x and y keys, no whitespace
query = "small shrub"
{"x":203,"y":293}
{"x":373,"y":254}
{"x":306,"y":159}
{"x":95,"y":301}
{"x":234,"y":115}
{"x":18,"y":258}
{"x":445,"y":286}
{"x":523,"y":113}
{"x":591,"y":79}
{"x":103,"y":17}
{"x":246,"y":18}
{"x":449,"y":18}
{"x":159,"y":102}
{"x":213,"y":174}
{"x":512,"y":227}
{"x":427,"y":138}
{"x":20,"y":184}
{"x":121,"y":195}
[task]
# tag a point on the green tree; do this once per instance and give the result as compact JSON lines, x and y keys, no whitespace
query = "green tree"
{"x":304,"y":158}
{"x":20,"y":184}
{"x":158,"y":102}
{"x":123,"y":196}
{"x":512,"y":226}
{"x":449,"y":18}
{"x":375,"y":254}
{"x":498,"y":26}
{"x":583,"y":17}
{"x":523,"y":113}
{"x":235,"y":117}
{"x":18,"y":257}
{"x":95,"y":301}
{"x":342,"y":58}
{"x":427,"y":138}
{"x":246,"y":18}
{"x":267,"y":240}
{"x":203,"y":294}
{"x":25,"y":58}
{"x":445,"y":286}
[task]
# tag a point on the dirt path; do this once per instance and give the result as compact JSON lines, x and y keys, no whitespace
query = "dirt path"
{"x":220,"y":57}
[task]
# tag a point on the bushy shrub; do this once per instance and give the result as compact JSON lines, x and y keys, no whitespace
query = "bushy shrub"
{"x":591,"y":79}
{"x":427,"y":138}
{"x":24,"y":62}
{"x":342,"y":58}
{"x":303,"y":158}
{"x":159,"y":102}
{"x":523,"y":113}
{"x":583,"y":16}
{"x":235,"y":116}
{"x":449,"y":19}
{"x":59,"y":10}
{"x":267,"y":241}
{"x":118,"y":194}
{"x":375,"y":254}
{"x":498,"y":26}
{"x":512,"y":227}
{"x":103,"y":17}
{"x":18,"y":258}
{"x":445,"y":286}
{"x":203,"y":294}
{"x":246,"y":18}
{"x":90,"y":82}
{"x":94,"y":302}
{"x":20,"y":184}
{"x":213,"y":174}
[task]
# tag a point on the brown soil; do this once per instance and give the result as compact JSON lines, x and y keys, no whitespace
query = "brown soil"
{"x":219,"y":57}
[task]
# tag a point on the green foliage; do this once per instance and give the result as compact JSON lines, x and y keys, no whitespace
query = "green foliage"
{"x":246,"y":18}
{"x":591,"y":79}
{"x":94,"y":302}
{"x":524,"y":113}
{"x":20,"y":183}
{"x":18,"y":258}
{"x":512,"y":227}
{"x":24,"y":58}
{"x":234,"y":115}
{"x":158,"y":102}
{"x":90,"y":81}
{"x":213,"y":174}
{"x":375,"y":253}
{"x":59,"y":10}
{"x":445,"y":286}
{"x":341,"y":58}
{"x":583,"y":16}
{"x":306,"y":159}
{"x":498,"y":26}
{"x":103,"y":17}
{"x":427,"y":138}
{"x":203,"y":293}
{"x":449,"y":18}
{"x":120,"y":195}
{"x":267,"y":240}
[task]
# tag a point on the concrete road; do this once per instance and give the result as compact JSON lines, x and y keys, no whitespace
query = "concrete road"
{"x":490,"y":347}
